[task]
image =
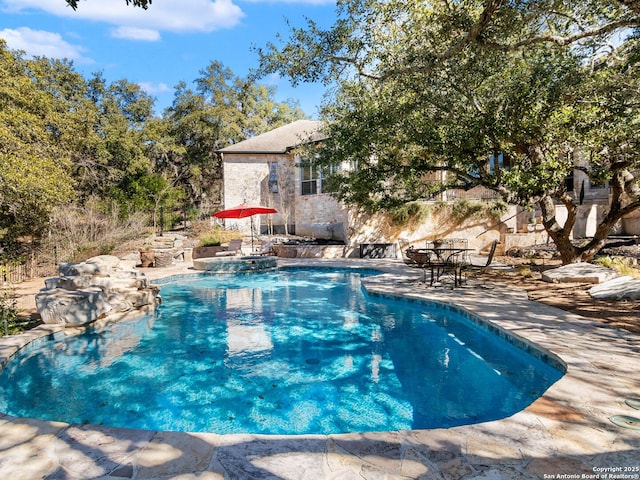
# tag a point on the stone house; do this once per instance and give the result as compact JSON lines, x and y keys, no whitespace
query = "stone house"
{"x":269,"y":170}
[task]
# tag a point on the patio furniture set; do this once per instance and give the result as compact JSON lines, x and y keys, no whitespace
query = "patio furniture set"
{"x":444,"y":258}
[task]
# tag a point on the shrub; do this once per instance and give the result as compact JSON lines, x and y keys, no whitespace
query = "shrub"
{"x":412,"y":213}
{"x":210,"y":241}
{"x":209,"y":236}
{"x":461,"y":210}
{"x":8,"y":309}
{"x":619,"y":265}
{"x":496,"y":209}
{"x":525,"y":271}
{"x":79,"y":232}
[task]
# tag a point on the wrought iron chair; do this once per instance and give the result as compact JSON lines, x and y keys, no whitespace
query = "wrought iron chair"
{"x":470,"y":267}
{"x":414,"y":258}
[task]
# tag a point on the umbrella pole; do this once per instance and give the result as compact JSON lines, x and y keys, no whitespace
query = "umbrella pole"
{"x":252,"y":234}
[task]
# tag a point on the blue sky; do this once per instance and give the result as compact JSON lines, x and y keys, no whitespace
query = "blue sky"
{"x":168,"y":43}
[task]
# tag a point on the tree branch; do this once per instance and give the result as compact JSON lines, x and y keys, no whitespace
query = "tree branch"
{"x":490,"y":7}
{"x":474,"y":32}
{"x":562,"y":41}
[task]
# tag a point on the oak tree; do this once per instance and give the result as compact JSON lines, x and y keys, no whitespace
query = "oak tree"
{"x":34,"y":163}
{"x":511,"y":96}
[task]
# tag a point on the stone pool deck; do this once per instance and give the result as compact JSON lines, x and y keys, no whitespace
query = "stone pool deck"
{"x":567,"y":433}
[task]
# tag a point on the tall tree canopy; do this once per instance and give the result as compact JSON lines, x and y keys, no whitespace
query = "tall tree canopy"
{"x":454,"y":86}
{"x":34,"y":162}
{"x":65,"y":138}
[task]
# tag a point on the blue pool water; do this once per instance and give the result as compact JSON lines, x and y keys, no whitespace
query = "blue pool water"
{"x":285,"y":352}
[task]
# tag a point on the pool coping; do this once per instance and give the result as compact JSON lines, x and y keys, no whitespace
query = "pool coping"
{"x":567,"y":431}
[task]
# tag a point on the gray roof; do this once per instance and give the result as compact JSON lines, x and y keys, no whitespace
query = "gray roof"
{"x":281,"y":139}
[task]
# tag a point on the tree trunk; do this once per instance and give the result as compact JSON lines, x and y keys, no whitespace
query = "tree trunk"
{"x":561,"y":235}
{"x":622,"y":185}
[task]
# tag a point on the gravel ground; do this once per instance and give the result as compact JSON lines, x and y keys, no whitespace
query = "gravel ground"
{"x":571,"y":297}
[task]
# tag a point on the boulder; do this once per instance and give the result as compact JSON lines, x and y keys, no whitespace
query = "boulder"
{"x":105,"y":264}
{"x":108,"y":284}
{"x":141,"y":298}
{"x":73,"y":269}
{"x":119,"y":303}
{"x":72,"y":308}
{"x":100,"y":265}
{"x":579,"y":273}
{"x":90,"y":290}
{"x":621,"y":288}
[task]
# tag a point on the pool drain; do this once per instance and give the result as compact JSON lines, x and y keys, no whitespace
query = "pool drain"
{"x":626,"y":421}
{"x":633,"y":403}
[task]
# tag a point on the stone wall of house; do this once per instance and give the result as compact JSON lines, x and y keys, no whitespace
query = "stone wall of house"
{"x":284,"y":199}
{"x":320,"y":216}
{"x":517,"y":228}
{"x":246,"y":180}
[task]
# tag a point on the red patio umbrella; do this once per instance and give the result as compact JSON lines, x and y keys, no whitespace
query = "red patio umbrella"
{"x":243,"y":211}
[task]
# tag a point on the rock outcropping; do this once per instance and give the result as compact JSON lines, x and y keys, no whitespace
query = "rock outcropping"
{"x":87,"y":291}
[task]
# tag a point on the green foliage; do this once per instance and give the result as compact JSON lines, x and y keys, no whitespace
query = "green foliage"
{"x":464,"y":209}
{"x":223,"y":109}
{"x":66,"y":140}
{"x":415,"y":213}
{"x":619,"y":265}
{"x":216,"y":236}
{"x":503,"y":95}
{"x":460,"y":210}
{"x":412,"y":213}
{"x":210,"y":241}
{"x":495,"y":210}
{"x":144,"y":4}
{"x":8,"y":308}
{"x":33,"y":161}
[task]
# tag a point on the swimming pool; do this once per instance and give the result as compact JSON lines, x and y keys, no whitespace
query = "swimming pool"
{"x":287,"y":352}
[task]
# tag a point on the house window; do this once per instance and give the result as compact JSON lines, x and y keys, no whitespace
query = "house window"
{"x":569,"y":182}
{"x":493,"y":164}
{"x":314,"y":178}
{"x":273,"y":177}
{"x":310,"y":179}
{"x":498,"y":162}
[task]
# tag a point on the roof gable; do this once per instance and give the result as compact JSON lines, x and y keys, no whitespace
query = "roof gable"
{"x":281,"y":139}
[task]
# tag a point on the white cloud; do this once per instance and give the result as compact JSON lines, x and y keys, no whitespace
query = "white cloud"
{"x":42,"y":43}
{"x":167,"y":15}
{"x":154,"y":88}
{"x":133,"y":33}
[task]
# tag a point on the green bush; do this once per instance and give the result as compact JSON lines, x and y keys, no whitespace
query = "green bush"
{"x":461,"y":210}
{"x":496,"y":209}
{"x":210,"y":241}
{"x":409,"y":213}
{"x":8,"y":312}
{"x":619,"y":265}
